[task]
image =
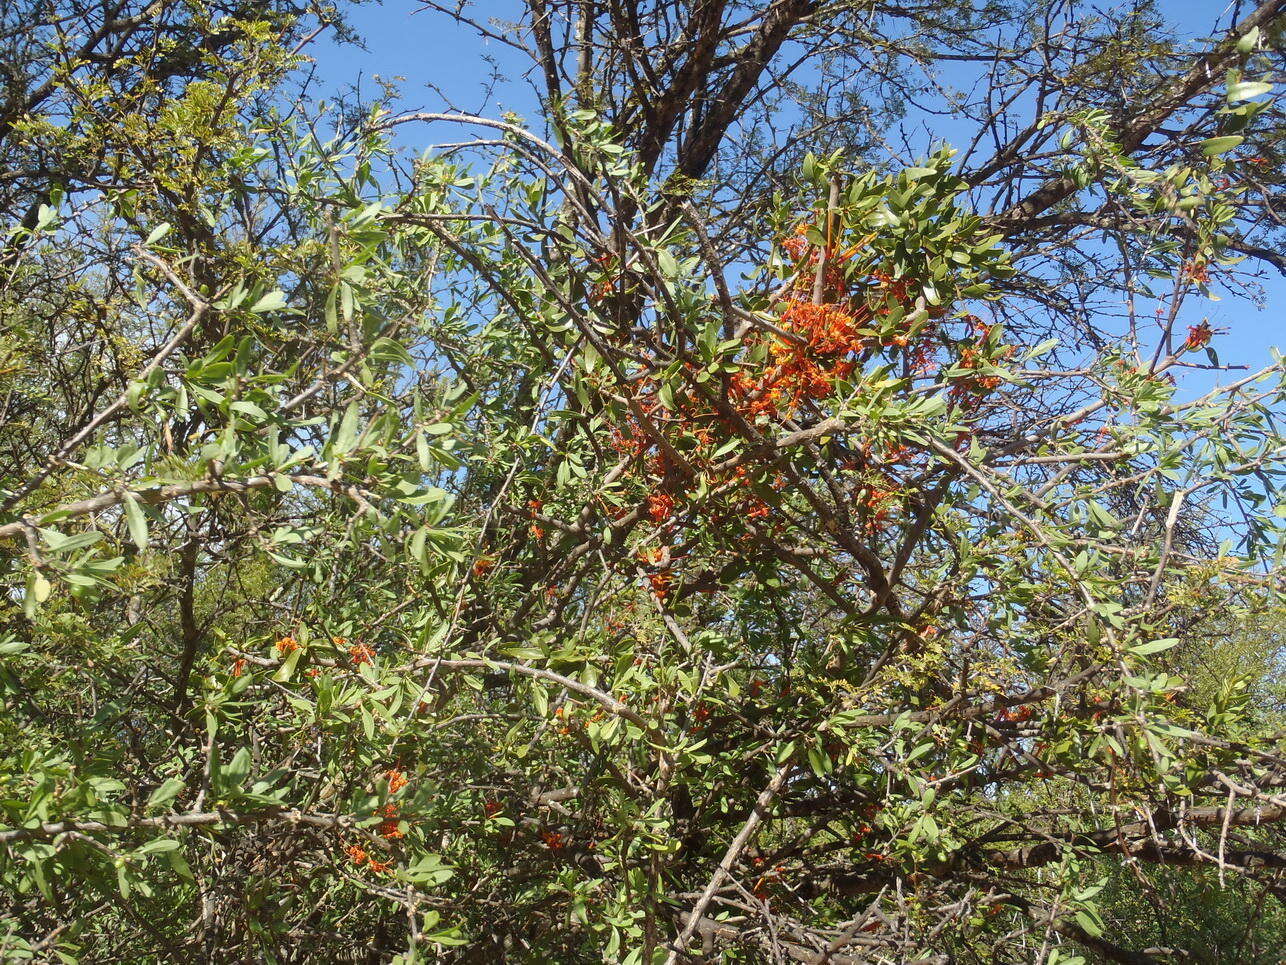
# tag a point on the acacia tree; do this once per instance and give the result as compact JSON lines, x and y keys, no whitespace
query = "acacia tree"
{"x":685,"y":528}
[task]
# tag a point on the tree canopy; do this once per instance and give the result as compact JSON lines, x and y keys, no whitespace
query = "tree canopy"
{"x":709,"y":520}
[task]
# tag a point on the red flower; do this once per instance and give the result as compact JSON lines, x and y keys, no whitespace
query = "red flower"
{"x":360,"y":654}
{"x":1196,"y":270}
{"x":390,"y":829}
{"x":655,"y":556}
{"x":1198,"y":336}
{"x":660,"y":506}
{"x":357,"y":854}
{"x":287,"y":645}
{"x":660,"y":583}
{"x":396,"y":780}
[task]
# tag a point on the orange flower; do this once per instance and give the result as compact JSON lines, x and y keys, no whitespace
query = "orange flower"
{"x":482,"y":565}
{"x":357,"y":854}
{"x":389,"y":829}
{"x":238,"y":666}
{"x":1196,"y":270}
{"x":660,"y":506}
{"x":537,"y":532}
{"x":396,"y":780}
{"x":1198,"y":336}
{"x":287,"y":645}
{"x":660,"y":583}
{"x":553,"y":840}
{"x":379,"y":867}
{"x":655,"y":556}
{"x":360,"y":654}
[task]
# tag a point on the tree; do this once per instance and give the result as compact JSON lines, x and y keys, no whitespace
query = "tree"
{"x":683,"y":529}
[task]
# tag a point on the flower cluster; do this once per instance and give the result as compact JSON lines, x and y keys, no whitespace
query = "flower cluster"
{"x":816,"y":346}
{"x":357,"y":854}
{"x":1016,"y":714}
{"x":819,"y":348}
{"x":1198,"y":336}
{"x":391,"y":826}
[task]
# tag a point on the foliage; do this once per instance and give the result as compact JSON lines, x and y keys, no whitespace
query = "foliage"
{"x":485,"y":555}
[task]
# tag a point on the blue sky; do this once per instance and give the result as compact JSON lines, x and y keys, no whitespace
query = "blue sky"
{"x":422,"y":49}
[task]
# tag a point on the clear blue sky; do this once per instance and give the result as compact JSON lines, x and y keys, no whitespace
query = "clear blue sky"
{"x":423,"y":49}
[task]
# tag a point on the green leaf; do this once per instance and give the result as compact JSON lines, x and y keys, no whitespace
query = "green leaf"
{"x":236,"y":770}
{"x":819,"y":761}
{"x":166,"y":792}
{"x":386,"y":349}
{"x":287,"y":668}
{"x":159,"y":846}
{"x":271,"y":302}
{"x":179,"y":864}
{"x":346,"y":435}
{"x":1220,"y":145}
{"x":135,"y":521}
{"x":920,"y":751}
{"x":60,"y":543}
{"x":1088,"y":919}
{"x":1247,"y":43}
{"x":157,"y":233}
{"x":249,"y":408}
{"x":1247,"y":89}
{"x":1156,"y":646}
{"x":417,"y":544}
